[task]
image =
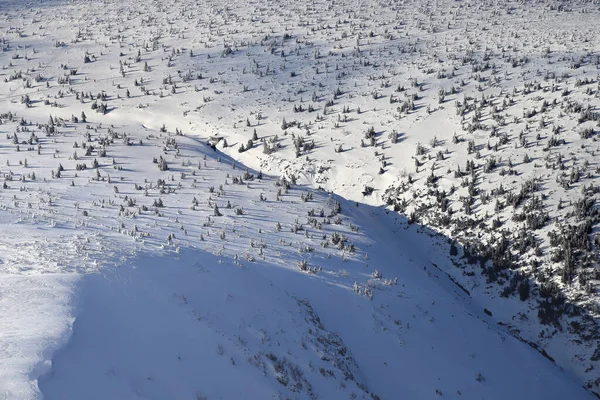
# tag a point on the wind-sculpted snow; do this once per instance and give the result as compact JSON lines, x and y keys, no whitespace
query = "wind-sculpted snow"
{"x":174,"y":300}
{"x":298,"y":199}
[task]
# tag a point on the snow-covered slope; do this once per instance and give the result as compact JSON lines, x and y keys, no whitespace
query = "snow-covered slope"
{"x":175,"y":301}
{"x":137,"y":261}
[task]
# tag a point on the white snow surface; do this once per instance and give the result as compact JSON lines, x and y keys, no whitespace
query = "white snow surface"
{"x":119,"y":281}
{"x":92,"y":310}
{"x":152,"y":327}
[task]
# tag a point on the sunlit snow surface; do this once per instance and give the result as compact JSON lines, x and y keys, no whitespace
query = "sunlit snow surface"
{"x":106,"y":295}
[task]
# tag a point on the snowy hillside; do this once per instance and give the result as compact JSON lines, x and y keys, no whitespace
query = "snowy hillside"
{"x":250,"y":200}
{"x":176,"y":293}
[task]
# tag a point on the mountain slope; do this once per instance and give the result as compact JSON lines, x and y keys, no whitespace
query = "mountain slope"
{"x":173,"y":300}
{"x":461,"y":128}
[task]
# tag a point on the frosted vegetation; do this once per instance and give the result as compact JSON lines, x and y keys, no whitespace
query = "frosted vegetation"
{"x":299,"y":200}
